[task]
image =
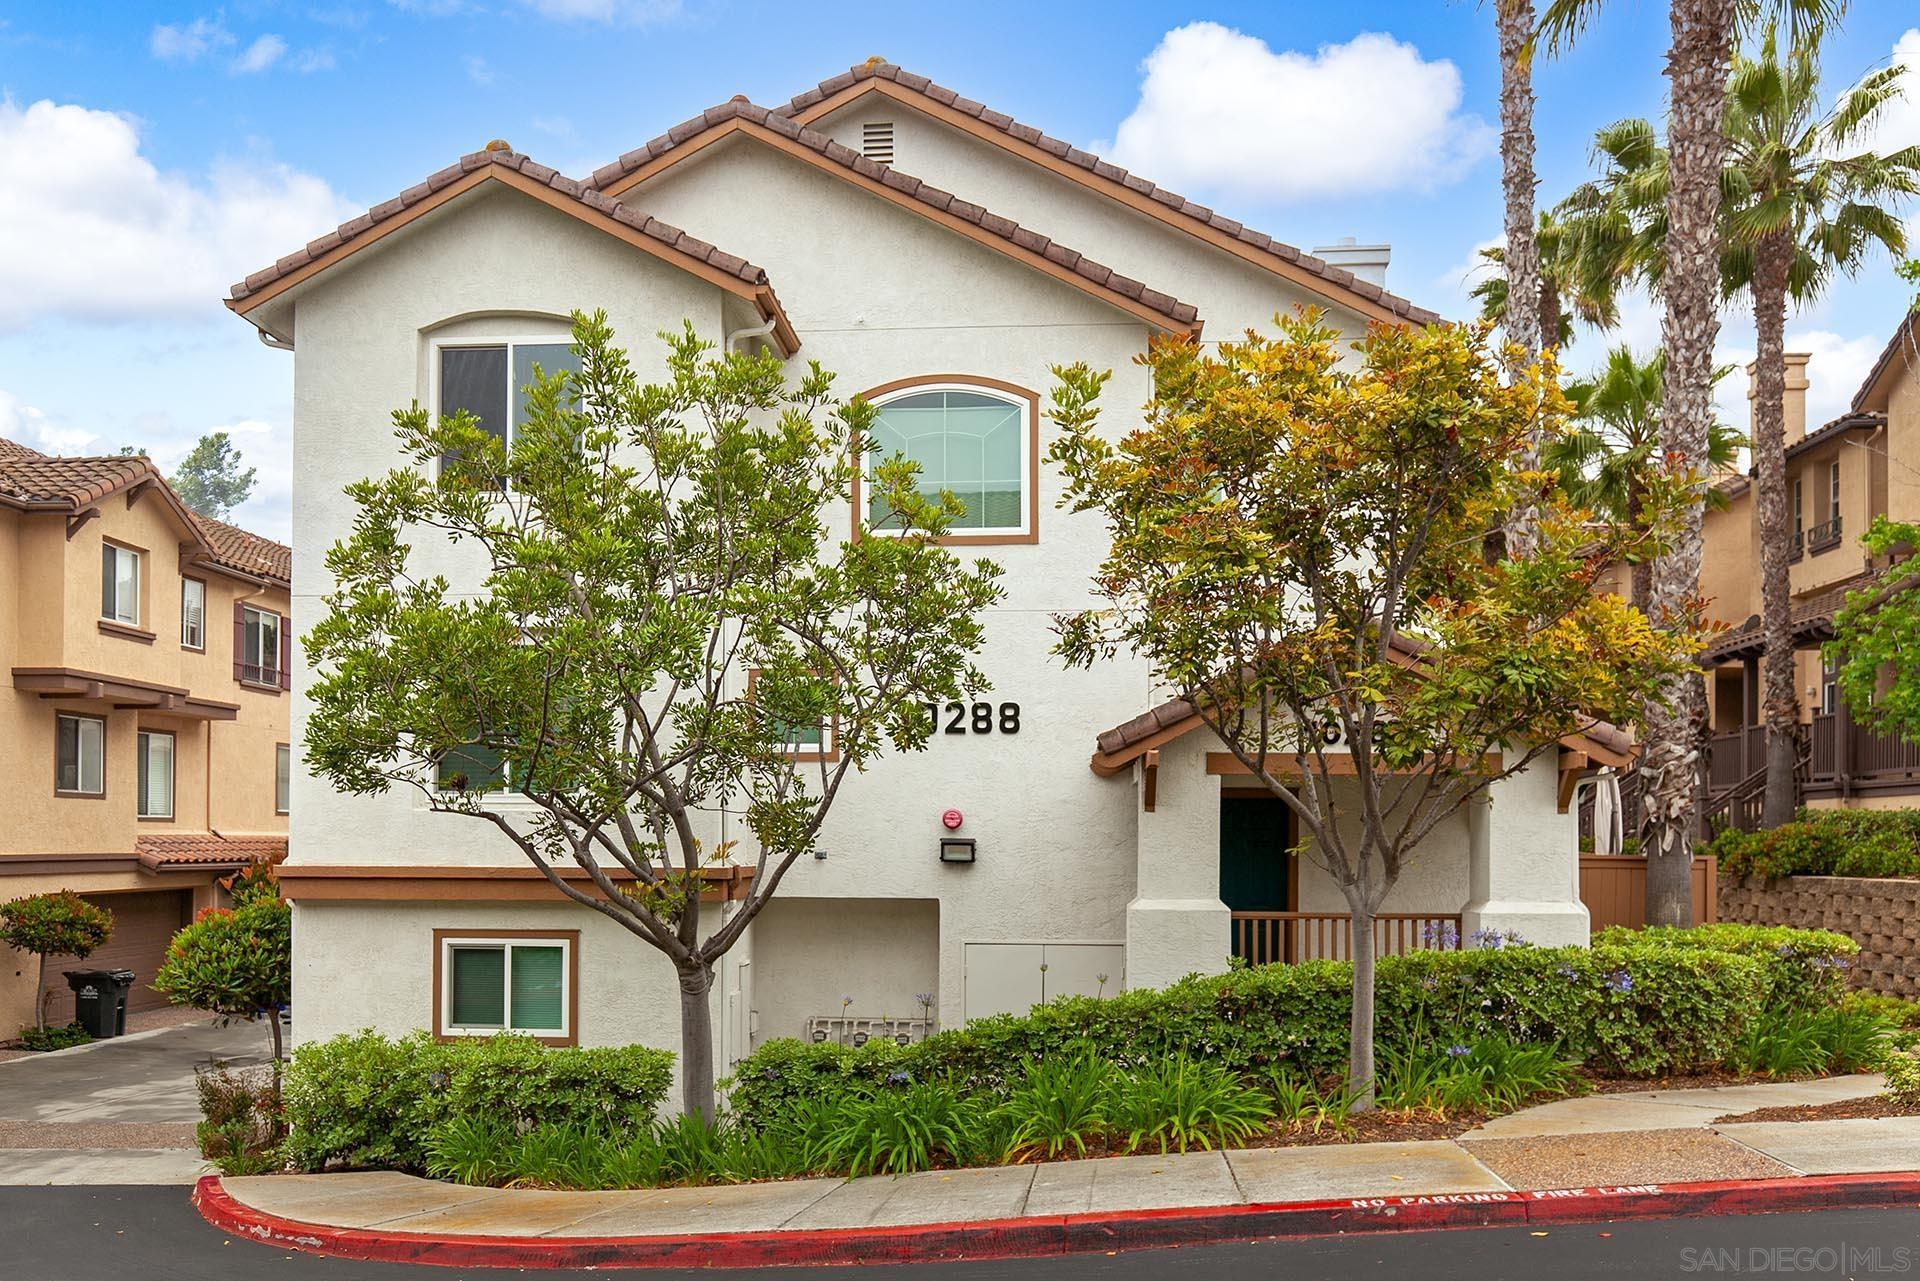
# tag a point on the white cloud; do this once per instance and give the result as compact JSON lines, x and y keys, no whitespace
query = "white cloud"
{"x":1898,"y":125}
{"x":26,"y":425}
{"x":308,"y":61}
{"x":1221,"y":111}
{"x":103,"y":235}
{"x":478,"y":71}
{"x":261,"y":54}
{"x":189,"y":41}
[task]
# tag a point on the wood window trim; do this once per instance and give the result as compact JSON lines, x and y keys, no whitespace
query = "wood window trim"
{"x":830,"y":748}
{"x":571,"y":938}
{"x":100,"y":795}
{"x":140,"y":764}
{"x":277,"y":749}
{"x":201,"y":648}
{"x":139,"y":586}
{"x":109,"y":627}
{"x":1030,"y":398}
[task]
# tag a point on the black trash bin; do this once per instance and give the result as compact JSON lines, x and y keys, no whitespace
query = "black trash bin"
{"x":100,"y":1000}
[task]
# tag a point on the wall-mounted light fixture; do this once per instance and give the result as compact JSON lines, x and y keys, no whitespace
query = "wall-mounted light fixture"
{"x":956,"y":849}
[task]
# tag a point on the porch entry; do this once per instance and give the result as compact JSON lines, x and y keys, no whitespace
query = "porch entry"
{"x":1260,"y":884}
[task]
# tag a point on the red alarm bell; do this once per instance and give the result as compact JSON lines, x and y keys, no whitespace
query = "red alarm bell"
{"x":951,"y":820}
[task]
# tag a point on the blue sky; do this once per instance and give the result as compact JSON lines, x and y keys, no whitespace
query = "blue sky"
{"x":154,"y":153}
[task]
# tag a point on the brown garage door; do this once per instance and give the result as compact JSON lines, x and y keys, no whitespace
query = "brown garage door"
{"x":143,"y":925}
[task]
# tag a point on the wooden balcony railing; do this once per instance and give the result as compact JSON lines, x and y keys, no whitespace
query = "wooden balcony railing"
{"x":1269,"y":938}
{"x":1843,"y":750}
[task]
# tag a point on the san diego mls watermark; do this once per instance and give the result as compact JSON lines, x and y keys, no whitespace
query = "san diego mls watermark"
{"x":1837,"y":1259}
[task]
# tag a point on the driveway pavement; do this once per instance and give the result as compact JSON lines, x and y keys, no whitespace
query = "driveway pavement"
{"x":118,"y":1111}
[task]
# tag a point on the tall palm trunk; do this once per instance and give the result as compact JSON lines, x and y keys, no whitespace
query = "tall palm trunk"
{"x":1675,"y":722}
{"x":1514,"y":22}
{"x":1773,"y":258}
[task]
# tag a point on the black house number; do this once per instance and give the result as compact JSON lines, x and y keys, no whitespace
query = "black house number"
{"x":975,"y":718}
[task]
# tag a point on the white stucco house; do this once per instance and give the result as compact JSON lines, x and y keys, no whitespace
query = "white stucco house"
{"x":939,"y":257}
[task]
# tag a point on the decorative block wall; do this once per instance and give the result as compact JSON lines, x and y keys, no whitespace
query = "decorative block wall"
{"x":1882,"y":916}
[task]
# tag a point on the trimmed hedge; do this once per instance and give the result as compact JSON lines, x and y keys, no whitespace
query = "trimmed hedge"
{"x":1635,"y":1004}
{"x":363,"y":1100}
{"x":1870,"y":843}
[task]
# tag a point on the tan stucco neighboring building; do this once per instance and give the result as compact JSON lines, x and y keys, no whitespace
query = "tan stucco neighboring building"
{"x":1840,"y":476}
{"x":143,"y":733}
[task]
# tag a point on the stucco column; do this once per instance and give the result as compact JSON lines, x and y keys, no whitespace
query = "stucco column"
{"x":1176,"y":923}
{"x":1525,"y":861}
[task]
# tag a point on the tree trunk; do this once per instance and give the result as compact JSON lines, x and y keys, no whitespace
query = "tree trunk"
{"x":1773,"y":258}
{"x":696,"y":1040}
{"x":41,"y":996}
{"x":1640,"y":573}
{"x":273,"y":1039}
{"x":1514,"y":21}
{"x":1360,"y":1028}
{"x":1697,"y":67}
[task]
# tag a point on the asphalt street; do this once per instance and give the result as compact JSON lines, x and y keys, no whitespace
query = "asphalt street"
{"x":154,"y":1234}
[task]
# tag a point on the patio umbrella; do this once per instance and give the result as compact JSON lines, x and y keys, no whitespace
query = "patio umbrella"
{"x":1606,"y":812}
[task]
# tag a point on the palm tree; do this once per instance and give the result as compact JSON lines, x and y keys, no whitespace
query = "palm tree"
{"x":1572,"y":287}
{"x":1801,"y":207}
{"x":1513,"y":20}
{"x":1610,"y":456}
{"x":1674,"y":724}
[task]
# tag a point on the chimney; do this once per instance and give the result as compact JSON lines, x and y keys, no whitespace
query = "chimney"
{"x":1794,"y":403}
{"x":1366,"y":262}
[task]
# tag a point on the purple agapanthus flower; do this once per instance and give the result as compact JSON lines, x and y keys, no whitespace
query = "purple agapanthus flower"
{"x":1459,"y":1051}
{"x":1620,"y":981}
{"x":898,"y":1078}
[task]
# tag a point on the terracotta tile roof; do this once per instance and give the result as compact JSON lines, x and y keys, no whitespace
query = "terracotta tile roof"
{"x":1144,"y":726}
{"x":247,"y":552}
{"x":671,"y":237}
{"x":1887,"y":353}
{"x":1066,"y":151}
{"x":1838,"y":427}
{"x":208,"y":850}
{"x":1811,"y":620}
{"x":1183,"y":315}
{"x":32,"y":479}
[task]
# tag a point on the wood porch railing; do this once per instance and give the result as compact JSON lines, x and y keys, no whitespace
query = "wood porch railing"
{"x":1268,"y":938}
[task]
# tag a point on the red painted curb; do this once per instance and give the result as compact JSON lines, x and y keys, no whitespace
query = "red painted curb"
{"x":1063,"y":1234}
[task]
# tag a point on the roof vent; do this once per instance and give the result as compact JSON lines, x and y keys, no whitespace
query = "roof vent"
{"x":876,"y":141}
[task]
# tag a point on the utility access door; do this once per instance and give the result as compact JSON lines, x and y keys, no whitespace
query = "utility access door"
{"x":1012,"y":978}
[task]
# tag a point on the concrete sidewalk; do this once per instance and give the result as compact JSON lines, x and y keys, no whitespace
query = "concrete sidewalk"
{"x":1480,"y":1165}
{"x":115,"y":1111}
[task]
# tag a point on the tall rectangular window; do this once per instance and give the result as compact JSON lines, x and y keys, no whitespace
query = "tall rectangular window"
{"x":1833,"y":490}
{"x":1799,"y":505}
{"x":119,"y":584}
{"x":259,"y":645}
{"x":193,"y":614}
{"x":80,"y":755}
{"x":506,"y":983}
{"x":156,"y":774}
{"x":282,"y":779}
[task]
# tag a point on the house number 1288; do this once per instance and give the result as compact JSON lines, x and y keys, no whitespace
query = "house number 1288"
{"x":975,"y":718}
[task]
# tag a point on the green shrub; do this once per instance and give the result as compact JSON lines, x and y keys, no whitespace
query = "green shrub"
{"x":243,"y":1129}
{"x":1873,"y":843}
{"x":1903,"y":1079}
{"x":1804,"y":969}
{"x":59,"y":1037}
{"x":901,"y":1131}
{"x":365,"y":1100}
{"x":1061,"y":1104}
{"x":57,"y":924}
{"x":1186,"y":1103}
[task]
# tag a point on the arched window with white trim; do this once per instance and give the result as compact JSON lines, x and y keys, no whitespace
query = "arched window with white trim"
{"x":974,"y":438}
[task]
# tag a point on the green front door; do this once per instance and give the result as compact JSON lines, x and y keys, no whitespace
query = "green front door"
{"x":1254,"y":836}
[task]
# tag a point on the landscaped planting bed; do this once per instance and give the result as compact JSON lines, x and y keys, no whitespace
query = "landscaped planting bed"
{"x":1252,"y":1057}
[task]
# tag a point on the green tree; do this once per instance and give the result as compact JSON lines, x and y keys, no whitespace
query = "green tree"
{"x":236,"y":962}
{"x":1573,"y":286}
{"x":1610,"y":456}
{"x":1876,"y":634}
{"x":57,"y":924}
{"x":211,"y":478}
{"x":1305,"y":547}
{"x":1803,"y":204}
{"x":647,"y":547}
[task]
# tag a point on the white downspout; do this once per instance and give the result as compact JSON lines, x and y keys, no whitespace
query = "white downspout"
{"x":738,"y":335}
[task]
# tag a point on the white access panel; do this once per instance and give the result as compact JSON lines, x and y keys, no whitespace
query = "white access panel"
{"x":1074,"y":969}
{"x":1001,"y":978}
{"x":1012,"y":978}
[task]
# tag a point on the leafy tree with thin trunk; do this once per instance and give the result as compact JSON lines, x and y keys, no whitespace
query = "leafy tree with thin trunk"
{"x":1307,"y":548}
{"x":1803,"y":204}
{"x":657,"y":618}
{"x":1608,"y":458}
{"x":1674,"y":724}
{"x":57,"y":924}
{"x":212,"y":479}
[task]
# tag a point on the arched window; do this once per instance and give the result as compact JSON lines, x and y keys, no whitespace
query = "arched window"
{"x":973,"y":438}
